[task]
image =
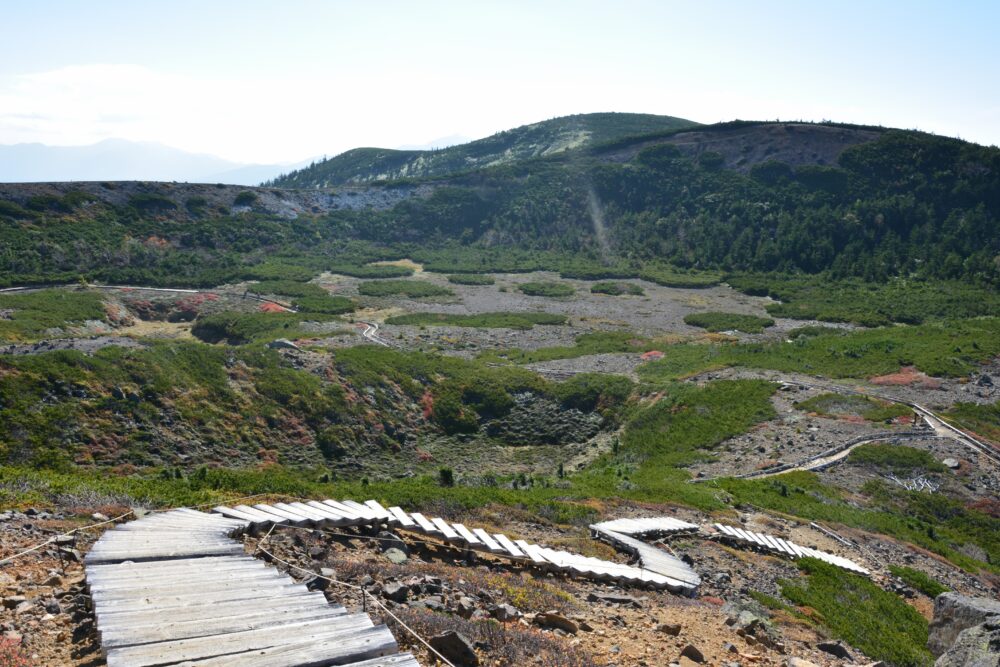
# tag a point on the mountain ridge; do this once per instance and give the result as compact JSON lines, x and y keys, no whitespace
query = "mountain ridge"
{"x":549,"y":137}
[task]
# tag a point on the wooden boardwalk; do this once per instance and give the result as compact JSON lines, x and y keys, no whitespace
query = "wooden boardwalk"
{"x":776,"y":545}
{"x":176,"y":589}
{"x":620,"y":534}
{"x":679,"y":578}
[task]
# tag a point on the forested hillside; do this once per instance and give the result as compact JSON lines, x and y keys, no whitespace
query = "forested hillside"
{"x":891,"y":203}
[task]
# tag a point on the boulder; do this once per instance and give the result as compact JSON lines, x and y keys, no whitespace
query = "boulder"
{"x":835,"y":649}
{"x":691,"y":652}
{"x":672,"y":629}
{"x":466,"y":607}
{"x":13,"y":601}
{"x":282,"y":344}
{"x":395,"y":556}
{"x":456,"y":648}
{"x":505,"y":612}
{"x":954,"y":613}
{"x":553,"y":619}
{"x":615,"y":598}
{"x":395,"y":591}
{"x":388,"y":540}
{"x":978,"y":646}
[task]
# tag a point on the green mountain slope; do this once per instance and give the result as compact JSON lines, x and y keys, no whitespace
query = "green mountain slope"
{"x":548,"y":137}
{"x":738,"y":197}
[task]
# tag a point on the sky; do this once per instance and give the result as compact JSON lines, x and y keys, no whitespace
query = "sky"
{"x":279,"y":82}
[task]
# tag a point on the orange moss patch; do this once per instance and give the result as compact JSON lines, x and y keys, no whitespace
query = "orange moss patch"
{"x":907,"y":376}
{"x":270,"y":308}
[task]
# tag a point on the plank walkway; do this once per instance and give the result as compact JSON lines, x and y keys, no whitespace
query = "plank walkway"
{"x":176,"y":589}
{"x":776,"y":545}
{"x":657,"y":568}
{"x":620,"y":534}
{"x":667,"y":572}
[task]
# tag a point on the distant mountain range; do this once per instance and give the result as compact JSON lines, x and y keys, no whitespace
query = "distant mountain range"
{"x":118,"y":160}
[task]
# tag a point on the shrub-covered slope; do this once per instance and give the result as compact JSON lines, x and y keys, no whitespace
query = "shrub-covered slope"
{"x":538,"y":139}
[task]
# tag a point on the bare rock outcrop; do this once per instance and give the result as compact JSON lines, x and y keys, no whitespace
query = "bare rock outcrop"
{"x":953,"y":614}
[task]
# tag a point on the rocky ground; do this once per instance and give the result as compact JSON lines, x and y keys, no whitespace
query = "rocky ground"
{"x":45,"y":617}
{"x":496,"y":613}
{"x":550,"y":620}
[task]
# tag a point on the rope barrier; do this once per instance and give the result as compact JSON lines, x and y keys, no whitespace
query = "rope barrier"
{"x":54,"y":539}
{"x":378,"y":603}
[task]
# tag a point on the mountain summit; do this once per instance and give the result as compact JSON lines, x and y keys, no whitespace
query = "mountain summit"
{"x":548,"y":137}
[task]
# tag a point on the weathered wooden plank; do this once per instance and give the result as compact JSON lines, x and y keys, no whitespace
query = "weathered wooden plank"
{"x":203,"y":648}
{"x":290,"y":589}
{"x":398,"y":660}
{"x":376,"y":507}
{"x":285,"y":516}
{"x":344,"y":509}
{"x":530,"y":549}
{"x":191,"y":575}
{"x":134,"y":634}
{"x":466,"y":534}
{"x":276,"y":606}
{"x":362,"y":510}
{"x":126,"y":568}
{"x":304,"y":510}
{"x":295,"y":518}
{"x":446,"y":530}
{"x":401,"y":517}
{"x":335,"y":517}
{"x":423,"y":523}
{"x":258,"y":516}
{"x":166,"y":552}
{"x":177,"y":588}
{"x":346,"y":649}
{"x":488,"y":541}
{"x":509,"y":546}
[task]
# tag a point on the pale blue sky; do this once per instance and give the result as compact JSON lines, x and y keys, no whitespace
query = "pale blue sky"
{"x":282,"y":81}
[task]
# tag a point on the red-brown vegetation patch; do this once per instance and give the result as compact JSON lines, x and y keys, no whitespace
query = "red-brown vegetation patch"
{"x":269,"y":307}
{"x":906,"y":377}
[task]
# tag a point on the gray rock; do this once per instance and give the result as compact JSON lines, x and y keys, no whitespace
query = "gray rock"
{"x":835,"y":649}
{"x":456,"y":648}
{"x":951,"y":463}
{"x":553,"y":619}
{"x":953,"y":613}
{"x":434,"y":603}
{"x":615,"y":598}
{"x":691,"y":652}
{"x":388,"y":540}
{"x":395,"y":591}
{"x":505,"y":612}
{"x":978,"y":646}
{"x":13,"y":601}
{"x":672,"y":629}
{"x":395,"y":556}
{"x":466,"y":607}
